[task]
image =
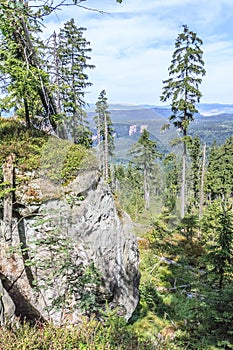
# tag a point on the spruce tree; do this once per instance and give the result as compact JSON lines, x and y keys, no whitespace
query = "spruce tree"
{"x":219,"y":175}
{"x":195,"y":152}
{"x":220,"y":249}
{"x":73,"y":57}
{"x":182,"y":88}
{"x":144,"y":153}
{"x":171,"y":180}
{"x":24,"y":83}
{"x":105,"y":132}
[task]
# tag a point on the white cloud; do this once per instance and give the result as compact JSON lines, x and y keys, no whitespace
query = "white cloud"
{"x":133,"y":42}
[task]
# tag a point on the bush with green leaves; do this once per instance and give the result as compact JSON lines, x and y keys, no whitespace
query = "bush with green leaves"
{"x":56,"y":159}
{"x":61,"y":160}
{"x":114,"y":334}
{"x":25,"y":143}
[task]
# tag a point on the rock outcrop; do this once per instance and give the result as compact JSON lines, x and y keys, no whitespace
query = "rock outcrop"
{"x":7,"y":307}
{"x":77,"y":224}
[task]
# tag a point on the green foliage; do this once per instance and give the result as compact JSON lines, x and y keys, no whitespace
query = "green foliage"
{"x":188,"y":225}
{"x":105,"y":134}
{"x":4,"y":190}
{"x":103,"y":122}
{"x":24,"y":83}
{"x":144,"y":153}
{"x":195,"y":153}
{"x":129,"y":187}
{"x":71,"y":62}
{"x":25,"y":144}
{"x":88,"y":335}
{"x":219,"y":311}
{"x":219,"y":177}
{"x":182,"y":88}
{"x":186,"y":283}
{"x":51,"y":157}
{"x":171,"y":180}
{"x":61,"y":160}
{"x":220,"y":249}
{"x":185,"y":71}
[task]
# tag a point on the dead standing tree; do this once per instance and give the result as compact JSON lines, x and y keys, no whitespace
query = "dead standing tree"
{"x":8,"y":178}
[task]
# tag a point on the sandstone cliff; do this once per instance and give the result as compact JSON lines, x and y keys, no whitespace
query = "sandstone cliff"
{"x":67,"y":235}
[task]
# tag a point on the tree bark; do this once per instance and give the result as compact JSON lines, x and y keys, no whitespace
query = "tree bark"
{"x":106,"y":151}
{"x":146,"y":190}
{"x":27,"y":52}
{"x":183,"y":184}
{"x":61,"y":127}
{"x":27,"y":116}
{"x":8,"y":178}
{"x":202,"y":182}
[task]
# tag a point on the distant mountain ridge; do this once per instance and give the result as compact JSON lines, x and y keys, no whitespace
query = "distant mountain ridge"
{"x":208,"y":109}
{"x":205,"y":109}
{"x":214,"y":122}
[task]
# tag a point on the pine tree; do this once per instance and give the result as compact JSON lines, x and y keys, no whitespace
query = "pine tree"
{"x":24,"y":81}
{"x":171,"y":180}
{"x":105,"y":132}
{"x":219,"y":175}
{"x":182,"y":88}
{"x":52,"y":67}
{"x":202,"y":182}
{"x":144,"y":154}
{"x":220,"y":250}
{"x":195,"y":152}
{"x":73,"y":57}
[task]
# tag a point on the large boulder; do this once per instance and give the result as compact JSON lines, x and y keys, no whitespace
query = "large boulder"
{"x":81,"y":224}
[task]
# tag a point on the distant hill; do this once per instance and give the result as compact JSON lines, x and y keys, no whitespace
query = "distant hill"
{"x":215,"y":109}
{"x":213,"y":123}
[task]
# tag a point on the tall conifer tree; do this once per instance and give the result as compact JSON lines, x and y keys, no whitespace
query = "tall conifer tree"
{"x":23,"y":79}
{"x":105,"y":132}
{"x":144,"y":154}
{"x":73,"y":54}
{"x":182,"y":88}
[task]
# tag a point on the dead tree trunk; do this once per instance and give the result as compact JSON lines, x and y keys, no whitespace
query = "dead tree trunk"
{"x":106,"y":149}
{"x":202,"y":182}
{"x":45,"y":96}
{"x":8,"y":178}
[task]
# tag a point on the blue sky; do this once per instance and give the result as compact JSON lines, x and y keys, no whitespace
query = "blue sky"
{"x":132,"y":44}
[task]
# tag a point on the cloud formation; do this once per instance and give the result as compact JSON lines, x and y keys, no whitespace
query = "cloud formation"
{"x":133,"y":43}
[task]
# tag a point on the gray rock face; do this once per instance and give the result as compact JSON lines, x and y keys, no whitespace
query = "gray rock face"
{"x":7,"y":307}
{"x":85,"y":214}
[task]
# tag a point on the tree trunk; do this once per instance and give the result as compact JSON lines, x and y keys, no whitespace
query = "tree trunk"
{"x":61,"y":128}
{"x":98,"y":141}
{"x":183,"y":184}
{"x":106,"y":152}
{"x":146,"y":190}
{"x":28,"y":54}
{"x":8,"y":178}
{"x":46,"y":98}
{"x":27,"y":116}
{"x":202,"y":182}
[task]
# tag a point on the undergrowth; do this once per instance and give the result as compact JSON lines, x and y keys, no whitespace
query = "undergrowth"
{"x":47,"y":156}
{"x":90,"y":334}
{"x":181,"y":305}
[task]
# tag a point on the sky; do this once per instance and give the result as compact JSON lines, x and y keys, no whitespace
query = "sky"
{"x":133,"y":42}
